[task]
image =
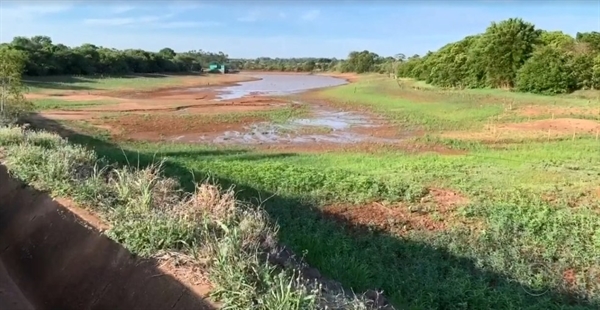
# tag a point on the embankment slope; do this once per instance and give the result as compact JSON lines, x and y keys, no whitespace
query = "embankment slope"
{"x":51,"y":260}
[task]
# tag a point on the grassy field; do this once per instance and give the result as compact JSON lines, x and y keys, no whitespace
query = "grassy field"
{"x":528,"y":238}
{"x":55,"y":104}
{"x":134,"y":82}
{"x":39,"y":84}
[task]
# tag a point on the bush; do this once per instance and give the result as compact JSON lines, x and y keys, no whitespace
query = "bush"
{"x":547,"y":72}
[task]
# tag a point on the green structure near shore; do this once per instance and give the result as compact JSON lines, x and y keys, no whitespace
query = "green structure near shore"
{"x":215,"y":67}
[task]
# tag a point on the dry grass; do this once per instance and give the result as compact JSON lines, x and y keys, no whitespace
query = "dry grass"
{"x":208,"y":233}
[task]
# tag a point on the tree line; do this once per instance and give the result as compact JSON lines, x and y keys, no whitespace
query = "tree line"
{"x":512,"y":54}
{"x":42,"y":57}
{"x":359,"y":62}
{"x":307,"y":64}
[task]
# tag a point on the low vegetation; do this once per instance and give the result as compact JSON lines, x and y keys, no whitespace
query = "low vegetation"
{"x":51,"y":104}
{"x":12,"y":102}
{"x":152,"y":216}
{"x":522,"y":233}
{"x":490,"y":201}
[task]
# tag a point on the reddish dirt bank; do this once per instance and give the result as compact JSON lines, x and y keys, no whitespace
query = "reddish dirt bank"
{"x":50,"y":260}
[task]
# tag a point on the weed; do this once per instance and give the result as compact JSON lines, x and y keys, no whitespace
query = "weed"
{"x":53,"y":104}
{"x":150,"y":215}
{"x":532,"y":214}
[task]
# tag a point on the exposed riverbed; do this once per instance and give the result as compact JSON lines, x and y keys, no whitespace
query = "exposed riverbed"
{"x":323,"y":124}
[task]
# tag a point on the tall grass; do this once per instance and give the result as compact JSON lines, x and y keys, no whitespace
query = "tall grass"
{"x":150,"y":215}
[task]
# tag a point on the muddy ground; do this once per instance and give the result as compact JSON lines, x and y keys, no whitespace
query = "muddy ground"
{"x":196,"y":95}
{"x":186,"y":114}
{"x":194,"y":112}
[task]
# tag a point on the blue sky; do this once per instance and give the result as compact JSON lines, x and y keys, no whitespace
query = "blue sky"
{"x":327,"y":28}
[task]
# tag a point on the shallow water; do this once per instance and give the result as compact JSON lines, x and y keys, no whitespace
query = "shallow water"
{"x":277,"y":85}
{"x":323,"y":125}
{"x":337,"y":126}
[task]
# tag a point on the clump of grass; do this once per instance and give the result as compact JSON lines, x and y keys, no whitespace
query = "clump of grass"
{"x":53,"y":104}
{"x":150,"y":215}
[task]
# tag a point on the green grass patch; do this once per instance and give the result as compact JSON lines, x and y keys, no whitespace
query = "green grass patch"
{"x":149,"y":214}
{"x":442,"y":110}
{"x":140,"y":82}
{"x":58,"y":104}
{"x":279,"y":115}
{"x":532,"y":213}
{"x":496,"y":267}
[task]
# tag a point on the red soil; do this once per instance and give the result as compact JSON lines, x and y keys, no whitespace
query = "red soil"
{"x":401,"y":219}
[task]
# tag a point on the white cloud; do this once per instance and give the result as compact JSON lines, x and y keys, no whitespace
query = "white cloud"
{"x":311,"y":15}
{"x":149,"y":22}
{"x":262,"y":14}
{"x":171,"y":25}
{"x":30,"y":12}
{"x":177,"y":7}
{"x":164,"y":21}
{"x":122,"y":9}
{"x":121,"y":21}
{"x":109,"y":21}
{"x":252,"y":16}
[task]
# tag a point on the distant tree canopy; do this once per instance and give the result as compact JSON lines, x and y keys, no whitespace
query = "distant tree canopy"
{"x":359,"y":62}
{"x":513,"y":54}
{"x":286,"y":64}
{"x":43,"y":57}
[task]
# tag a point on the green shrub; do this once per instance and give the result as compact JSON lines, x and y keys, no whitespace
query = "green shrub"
{"x":546,"y":72}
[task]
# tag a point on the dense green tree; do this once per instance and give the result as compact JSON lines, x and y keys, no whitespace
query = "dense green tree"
{"x":581,"y":69}
{"x":513,"y":53}
{"x":592,"y":39}
{"x":361,"y":62}
{"x":557,"y":39}
{"x":167,"y":53}
{"x":547,"y":72}
{"x":43,"y":57}
{"x":12,"y":101}
{"x":406,"y":69}
{"x":596,"y":72}
{"x":285,"y":64}
{"x":507,"y":45}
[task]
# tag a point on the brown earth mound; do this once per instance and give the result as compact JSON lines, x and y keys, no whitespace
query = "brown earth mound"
{"x":50,"y":260}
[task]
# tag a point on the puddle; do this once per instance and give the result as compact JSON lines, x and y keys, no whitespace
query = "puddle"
{"x":277,"y":85}
{"x":324,"y":125}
